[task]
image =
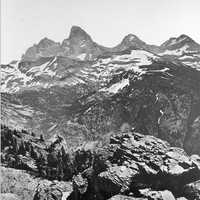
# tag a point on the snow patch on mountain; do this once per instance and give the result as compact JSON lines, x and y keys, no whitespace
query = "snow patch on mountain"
{"x":116,"y":87}
{"x":82,"y":56}
{"x":141,"y":57}
{"x":176,"y":52}
{"x":193,"y":64}
{"x":12,"y":79}
{"x":175,"y":41}
{"x":184,"y":57}
{"x":115,"y":64}
{"x":43,"y":69}
{"x":11,"y":76}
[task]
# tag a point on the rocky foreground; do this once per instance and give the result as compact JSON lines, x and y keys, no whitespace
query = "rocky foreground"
{"x":133,"y":166}
{"x":128,"y":166}
{"x":20,"y":185}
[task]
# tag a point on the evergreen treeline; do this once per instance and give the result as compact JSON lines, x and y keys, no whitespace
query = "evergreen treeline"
{"x":23,"y":150}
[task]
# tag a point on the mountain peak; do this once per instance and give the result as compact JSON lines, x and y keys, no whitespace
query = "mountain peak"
{"x":76,"y":28}
{"x":77,"y":31}
{"x":45,"y":42}
{"x":177,"y":40}
{"x":131,"y":38}
{"x":185,"y":38}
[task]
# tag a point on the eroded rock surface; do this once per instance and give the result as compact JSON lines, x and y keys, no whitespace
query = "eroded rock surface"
{"x":143,"y":166}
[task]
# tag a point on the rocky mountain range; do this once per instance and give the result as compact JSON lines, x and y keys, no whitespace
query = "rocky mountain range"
{"x":105,"y":107}
{"x":79,"y":45}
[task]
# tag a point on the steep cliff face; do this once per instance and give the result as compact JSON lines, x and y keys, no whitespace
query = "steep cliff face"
{"x":45,"y":48}
{"x":160,"y":103}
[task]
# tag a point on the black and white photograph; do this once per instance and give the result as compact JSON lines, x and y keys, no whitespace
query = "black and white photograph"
{"x":100,"y":100}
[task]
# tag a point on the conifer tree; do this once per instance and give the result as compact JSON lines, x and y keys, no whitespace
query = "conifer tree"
{"x":22,"y":149}
{"x":41,"y":138}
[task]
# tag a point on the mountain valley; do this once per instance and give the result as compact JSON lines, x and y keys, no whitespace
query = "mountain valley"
{"x":77,"y":117}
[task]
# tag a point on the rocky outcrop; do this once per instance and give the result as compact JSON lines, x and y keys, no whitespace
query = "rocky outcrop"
{"x":162,"y":104}
{"x":138,"y":166}
{"x":44,"y":49}
{"x":80,"y":45}
{"x":48,"y":192}
{"x":123,"y":197}
{"x":192,"y":190}
{"x":157,"y":195}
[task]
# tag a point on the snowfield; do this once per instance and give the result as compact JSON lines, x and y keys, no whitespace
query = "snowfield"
{"x":49,"y":72}
{"x":116,"y":87}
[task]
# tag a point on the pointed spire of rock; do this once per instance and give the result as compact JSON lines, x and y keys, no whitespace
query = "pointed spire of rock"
{"x":78,"y":32}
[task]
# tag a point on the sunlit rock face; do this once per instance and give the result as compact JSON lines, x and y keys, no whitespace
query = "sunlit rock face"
{"x":134,"y":166}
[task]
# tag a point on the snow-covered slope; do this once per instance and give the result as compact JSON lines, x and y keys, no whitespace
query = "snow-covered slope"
{"x":58,"y":71}
{"x":183,"y":42}
{"x":183,"y":48}
{"x":101,"y":88}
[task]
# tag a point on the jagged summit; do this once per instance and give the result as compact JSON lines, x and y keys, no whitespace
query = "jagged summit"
{"x":80,"y":46}
{"x":77,"y":31}
{"x":44,"y":48}
{"x":45,"y":43}
{"x":132,"y":39}
{"x":183,"y":39}
{"x":76,"y":37}
{"x":134,"y":42}
{"x":179,"y":46}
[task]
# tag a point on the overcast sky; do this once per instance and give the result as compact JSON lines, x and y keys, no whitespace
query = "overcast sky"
{"x":25,"y":22}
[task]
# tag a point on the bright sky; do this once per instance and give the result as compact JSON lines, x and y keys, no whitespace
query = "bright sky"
{"x":25,"y":22}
